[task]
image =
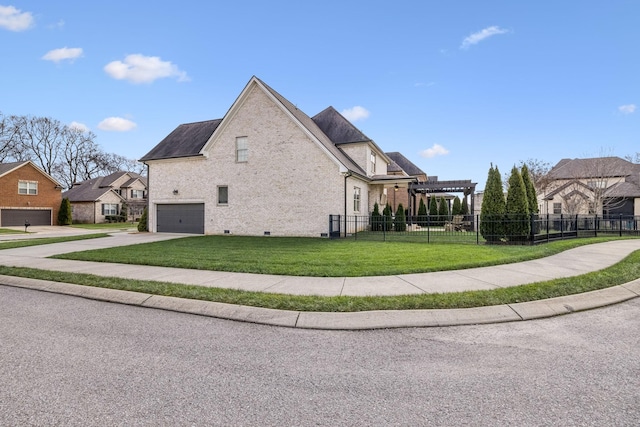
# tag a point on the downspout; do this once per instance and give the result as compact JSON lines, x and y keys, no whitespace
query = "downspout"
{"x":346,"y":176}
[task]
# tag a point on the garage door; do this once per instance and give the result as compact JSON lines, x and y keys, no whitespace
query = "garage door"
{"x":184,"y":218}
{"x":17,"y":217}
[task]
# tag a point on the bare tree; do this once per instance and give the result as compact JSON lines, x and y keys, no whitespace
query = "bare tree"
{"x":9,"y":138}
{"x":42,"y":137}
{"x":76,"y":157}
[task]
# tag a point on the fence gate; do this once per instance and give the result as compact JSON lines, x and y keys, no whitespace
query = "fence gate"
{"x":334,"y":226}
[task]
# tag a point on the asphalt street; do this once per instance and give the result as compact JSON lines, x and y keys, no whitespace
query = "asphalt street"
{"x":71,"y":361}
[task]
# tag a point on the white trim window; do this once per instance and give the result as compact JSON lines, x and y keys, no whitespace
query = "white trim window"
{"x":28,"y":187}
{"x":223,"y":195}
{"x":109,"y":209}
{"x":242,"y":149}
{"x":373,"y":163}
{"x":137,"y":194}
{"x":356,"y":199}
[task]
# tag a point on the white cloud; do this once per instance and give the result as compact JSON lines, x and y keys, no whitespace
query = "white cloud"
{"x":627,"y":109}
{"x":436,"y":150}
{"x":57,"y":55}
{"x":355,"y":113}
{"x":116,"y":124}
{"x":14,"y":19}
{"x":481,"y":35}
{"x":79,"y":126}
{"x":144,"y":69}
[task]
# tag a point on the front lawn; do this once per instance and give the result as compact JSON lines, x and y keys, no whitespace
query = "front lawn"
{"x":319,"y":257}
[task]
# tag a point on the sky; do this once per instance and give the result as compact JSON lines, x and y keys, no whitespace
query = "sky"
{"x":455,"y":86}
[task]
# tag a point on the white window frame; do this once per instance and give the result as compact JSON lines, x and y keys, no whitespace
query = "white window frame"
{"x":356,"y":199}
{"x":137,"y":194}
{"x":373,"y":163}
{"x":557,"y":208}
{"x":222,"y":202}
{"x":28,"y":188}
{"x":107,"y":209}
{"x":242,"y":149}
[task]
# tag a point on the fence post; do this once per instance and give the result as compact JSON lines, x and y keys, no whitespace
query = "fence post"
{"x":477,"y":229}
{"x":620,"y":225}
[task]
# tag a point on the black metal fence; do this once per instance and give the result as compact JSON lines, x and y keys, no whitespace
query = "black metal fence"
{"x":515,"y":229}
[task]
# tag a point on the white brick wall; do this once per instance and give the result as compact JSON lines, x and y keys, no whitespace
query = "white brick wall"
{"x":288,"y":186}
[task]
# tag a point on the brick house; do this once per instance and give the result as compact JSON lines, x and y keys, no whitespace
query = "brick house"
{"x":28,"y":194}
{"x":266,"y":168}
{"x":95,"y":200}
{"x":608,"y":186}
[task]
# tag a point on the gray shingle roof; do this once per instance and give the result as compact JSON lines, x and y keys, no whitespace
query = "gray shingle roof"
{"x":93,"y":189}
{"x":599,"y":167}
{"x":337,"y":128}
{"x":186,"y":140}
{"x":409,"y":167}
{"x":8,"y":167}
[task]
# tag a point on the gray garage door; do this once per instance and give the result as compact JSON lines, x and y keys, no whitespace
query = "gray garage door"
{"x":17,"y":217}
{"x":184,"y":218}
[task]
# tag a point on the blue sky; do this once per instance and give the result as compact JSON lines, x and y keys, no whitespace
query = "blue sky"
{"x":454,"y":86}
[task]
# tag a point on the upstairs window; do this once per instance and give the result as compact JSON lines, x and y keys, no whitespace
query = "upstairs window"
{"x":28,"y":187}
{"x":242,"y":149}
{"x":137,"y":194}
{"x":373,"y":163}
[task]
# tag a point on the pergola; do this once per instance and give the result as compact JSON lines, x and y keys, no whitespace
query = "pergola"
{"x":465,"y":187}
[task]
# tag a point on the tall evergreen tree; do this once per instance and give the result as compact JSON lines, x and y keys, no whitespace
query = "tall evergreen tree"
{"x":387,"y":216}
{"x":493,"y":207}
{"x":64,"y":214}
{"x":400,"y":220}
{"x":443,"y":210}
{"x":143,"y":225}
{"x":518,"y":225}
{"x":376,"y":218}
{"x":422,"y":213}
{"x":456,"y":209}
{"x":532,"y":197}
{"x":465,"y":206}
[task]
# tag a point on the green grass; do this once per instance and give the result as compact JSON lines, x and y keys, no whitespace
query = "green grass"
{"x":623,"y":272}
{"x":319,"y":257}
{"x":10,"y":244}
{"x":11,"y":231}
{"x":107,"y":226}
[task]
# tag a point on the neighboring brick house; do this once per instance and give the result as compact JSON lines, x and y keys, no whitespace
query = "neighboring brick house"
{"x":28,"y":194}
{"x":95,"y":200}
{"x":265,"y":168}
{"x":608,"y":186}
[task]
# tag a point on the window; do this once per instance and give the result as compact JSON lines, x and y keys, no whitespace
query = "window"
{"x":373,"y":162}
{"x":242,"y":149}
{"x":557,"y":208}
{"x":137,"y":194}
{"x":223,"y":195}
{"x":109,"y":209}
{"x":356,"y":199}
{"x":28,"y":187}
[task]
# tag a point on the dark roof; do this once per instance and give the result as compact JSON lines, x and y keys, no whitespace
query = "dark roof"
{"x":337,"y":128}
{"x":409,"y":167}
{"x":186,"y":140}
{"x":599,"y":167}
{"x":623,"y":189}
{"x":93,"y":189}
{"x":8,"y":167}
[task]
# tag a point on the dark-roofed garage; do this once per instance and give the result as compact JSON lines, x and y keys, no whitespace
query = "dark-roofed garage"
{"x":180,"y":218}
{"x":18,"y":217}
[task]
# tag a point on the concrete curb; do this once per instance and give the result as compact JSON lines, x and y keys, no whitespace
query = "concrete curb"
{"x":345,"y":321}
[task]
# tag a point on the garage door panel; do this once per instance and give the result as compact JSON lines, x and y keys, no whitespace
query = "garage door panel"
{"x":180,"y":218}
{"x":17,"y":217}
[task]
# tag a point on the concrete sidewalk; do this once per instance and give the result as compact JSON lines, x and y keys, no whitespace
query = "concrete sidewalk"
{"x":574,"y":262}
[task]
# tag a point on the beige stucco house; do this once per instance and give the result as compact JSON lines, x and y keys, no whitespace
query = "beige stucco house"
{"x":95,"y":200}
{"x":266,"y":168}
{"x":608,"y":186}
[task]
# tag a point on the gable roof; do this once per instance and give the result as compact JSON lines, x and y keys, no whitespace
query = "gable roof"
{"x":6,"y":168}
{"x":598,"y":167}
{"x":405,"y":164}
{"x":94,"y":189}
{"x":185,"y":141}
{"x":191,"y":139}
